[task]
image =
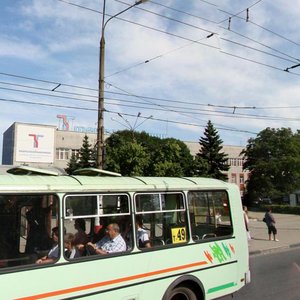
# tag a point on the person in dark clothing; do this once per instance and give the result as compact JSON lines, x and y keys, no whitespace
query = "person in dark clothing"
{"x":270,"y":221}
{"x":38,"y":237}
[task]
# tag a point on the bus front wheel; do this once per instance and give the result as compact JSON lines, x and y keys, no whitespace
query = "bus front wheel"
{"x":182,"y":293}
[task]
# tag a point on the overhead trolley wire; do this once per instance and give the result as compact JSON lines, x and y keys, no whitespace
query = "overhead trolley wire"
{"x":191,"y":40}
{"x":257,"y":50}
{"x":185,"y":102}
{"x":146,"y":26}
{"x":156,"y":57}
{"x":108,"y":100}
{"x":238,"y":13}
{"x":183,"y":12}
{"x":223,"y":114}
{"x":261,"y":44}
{"x":168,"y":18}
{"x":184,"y":123}
{"x":108,"y":111}
{"x":260,"y":26}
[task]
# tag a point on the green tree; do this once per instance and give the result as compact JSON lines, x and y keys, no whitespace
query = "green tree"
{"x":85,"y":158}
{"x":147,"y":155}
{"x":211,"y":161}
{"x":86,"y":154}
{"x":72,"y":164}
{"x":167,"y":159}
{"x":200,"y":167}
{"x":128,"y":158}
{"x":273,"y":160}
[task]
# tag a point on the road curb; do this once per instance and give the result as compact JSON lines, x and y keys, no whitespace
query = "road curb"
{"x":272,"y":250}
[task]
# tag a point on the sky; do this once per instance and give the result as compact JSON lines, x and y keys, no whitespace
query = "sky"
{"x":170,"y":66}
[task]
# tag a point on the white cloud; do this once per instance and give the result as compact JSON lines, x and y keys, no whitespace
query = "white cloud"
{"x":17,"y":48}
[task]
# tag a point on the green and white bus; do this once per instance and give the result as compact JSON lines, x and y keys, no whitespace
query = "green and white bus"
{"x":199,"y":247}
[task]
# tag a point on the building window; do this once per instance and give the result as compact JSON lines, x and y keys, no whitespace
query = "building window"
{"x":63,"y":154}
{"x":75,"y":152}
{"x":233,"y":178}
{"x":242,"y":181}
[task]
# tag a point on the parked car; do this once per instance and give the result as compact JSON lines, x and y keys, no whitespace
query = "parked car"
{"x":265,"y":200}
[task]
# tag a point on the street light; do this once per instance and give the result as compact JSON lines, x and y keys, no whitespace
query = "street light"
{"x":100,"y":126}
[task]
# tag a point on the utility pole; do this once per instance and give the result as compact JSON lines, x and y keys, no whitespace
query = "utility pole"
{"x":101,"y":109}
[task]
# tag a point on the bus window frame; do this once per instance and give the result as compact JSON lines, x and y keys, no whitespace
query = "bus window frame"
{"x":56,"y":199}
{"x":98,"y":208}
{"x":211,"y":238}
{"x":184,"y":209}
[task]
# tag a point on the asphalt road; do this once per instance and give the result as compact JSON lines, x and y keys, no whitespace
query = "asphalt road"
{"x":274,"y":276}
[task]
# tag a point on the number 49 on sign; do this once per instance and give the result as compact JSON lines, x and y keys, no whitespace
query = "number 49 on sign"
{"x":178,"y":235}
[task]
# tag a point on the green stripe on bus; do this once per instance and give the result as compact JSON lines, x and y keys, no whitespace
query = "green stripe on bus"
{"x":221,"y":287}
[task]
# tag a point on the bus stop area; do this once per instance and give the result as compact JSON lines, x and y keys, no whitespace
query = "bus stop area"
{"x":288,"y":233}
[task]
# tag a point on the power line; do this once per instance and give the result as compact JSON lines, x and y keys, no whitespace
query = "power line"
{"x":93,"y":109}
{"x":188,"y":39}
{"x":181,"y":110}
{"x":184,"y":12}
{"x":184,"y":101}
{"x":258,"y":50}
{"x":260,"y":26}
{"x":46,"y":81}
{"x":261,"y":44}
{"x":238,"y":13}
{"x":156,"y":57}
{"x":81,"y":6}
{"x":207,"y":2}
{"x":257,"y":62}
{"x":188,"y":124}
{"x":144,"y":26}
{"x":215,"y":113}
{"x":168,"y":18}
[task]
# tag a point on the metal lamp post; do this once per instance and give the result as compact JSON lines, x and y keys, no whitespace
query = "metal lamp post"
{"x":100,"y":126}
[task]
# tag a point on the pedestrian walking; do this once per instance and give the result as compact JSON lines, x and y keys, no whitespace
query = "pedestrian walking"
{"x":270,"y":222}
{"x":246,"y":219}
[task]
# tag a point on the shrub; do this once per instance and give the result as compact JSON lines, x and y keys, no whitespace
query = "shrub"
{"x":281,"y":209}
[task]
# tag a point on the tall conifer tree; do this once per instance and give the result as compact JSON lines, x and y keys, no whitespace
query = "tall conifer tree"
{"x":86,"y":154}
{"x":85,"y":158}
{"x":211,"y":154}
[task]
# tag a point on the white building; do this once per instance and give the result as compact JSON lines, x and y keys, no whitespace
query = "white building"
{"x":235,"y":173}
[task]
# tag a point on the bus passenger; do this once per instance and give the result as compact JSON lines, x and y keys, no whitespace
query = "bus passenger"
{"x":113,"y":242}
{"x":141,"y":234}
{"x":53,"y":253}
{"x":38,"y":237}
{"x":80,"y":236}
{"x":71,"y":251}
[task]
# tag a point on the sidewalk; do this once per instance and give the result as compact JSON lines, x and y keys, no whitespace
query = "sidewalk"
{"x":288,"y":233}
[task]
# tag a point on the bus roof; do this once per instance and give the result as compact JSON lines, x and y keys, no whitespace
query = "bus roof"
{"x":64,"y":183}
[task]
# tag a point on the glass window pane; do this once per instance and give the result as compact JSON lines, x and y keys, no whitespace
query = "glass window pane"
{"x":26,"y":225}
{"x":172,"y":201}
{"x":163,"y":217}
{"x":81,"y":205}
{"x":114,"y":204}
{"x":165,"y":228}
{"x":159,"y":202}
{"x":147,"y":202}
{"x":209,"y":214}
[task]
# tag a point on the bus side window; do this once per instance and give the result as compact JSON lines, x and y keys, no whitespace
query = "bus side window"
{"x":163,"y":215}
{"x":97,"y":211}
{"x":209,"y":214}
{"x":26,"y":222}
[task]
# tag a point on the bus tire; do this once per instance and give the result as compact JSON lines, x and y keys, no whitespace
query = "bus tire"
{"x":182,"y":293}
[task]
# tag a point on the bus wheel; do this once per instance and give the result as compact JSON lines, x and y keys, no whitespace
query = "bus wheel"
{"x":182,"y":293}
